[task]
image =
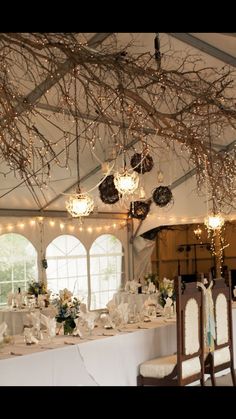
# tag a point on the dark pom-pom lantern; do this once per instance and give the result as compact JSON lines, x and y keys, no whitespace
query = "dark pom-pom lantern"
{"x":139,"y":209}
{"x":108,"y":192}
{"x":162,"y":196}
{"x":141,"y":163}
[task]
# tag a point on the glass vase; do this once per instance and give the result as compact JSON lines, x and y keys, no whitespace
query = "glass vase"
{"x":69,"y":326}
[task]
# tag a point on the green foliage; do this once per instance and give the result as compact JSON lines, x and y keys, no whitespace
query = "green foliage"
{"x":35,"y":288}
{"x":166,"y":290}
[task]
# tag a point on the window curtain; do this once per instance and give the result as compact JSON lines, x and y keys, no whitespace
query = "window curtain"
{"x":143,"y":249}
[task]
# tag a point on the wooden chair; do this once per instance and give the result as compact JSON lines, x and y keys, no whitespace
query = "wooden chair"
{"x":222,"y":357}
{"x":187,"y":365}
{"x":232,"y":275}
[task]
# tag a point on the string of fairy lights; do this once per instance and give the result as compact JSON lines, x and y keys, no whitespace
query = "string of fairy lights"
{"x":73,"y":225}
{"x":66,"y":226}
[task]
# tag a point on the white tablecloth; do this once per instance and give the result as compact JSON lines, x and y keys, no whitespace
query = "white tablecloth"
{"x":108,"y":361}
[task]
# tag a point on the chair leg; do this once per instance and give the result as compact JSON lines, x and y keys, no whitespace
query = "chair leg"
{"x":202,"y":381}
{"x":139,"y":381}
{"x":213,"y":380}
{"x":233,"y":376}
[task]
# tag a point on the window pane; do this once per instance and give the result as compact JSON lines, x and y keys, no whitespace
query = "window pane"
{"x":67,"y":266}
{"x":106,"y":269}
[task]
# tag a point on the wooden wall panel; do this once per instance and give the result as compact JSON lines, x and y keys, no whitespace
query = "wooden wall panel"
{"x":167,"y":261}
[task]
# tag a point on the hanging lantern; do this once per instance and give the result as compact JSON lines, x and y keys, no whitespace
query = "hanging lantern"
{"x":139,"y":209}
{"x":197,"y":232}
{"x":108,"y":192}
{"x":142,"y":193}
{"x":160,"y":176}
{"x":126,"y":182}
{"x":142,"y":163}
{"x":80,"y":204}
{"x":162,"y":196}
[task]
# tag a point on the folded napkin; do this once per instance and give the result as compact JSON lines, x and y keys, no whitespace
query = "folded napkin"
{"x":123,"y":310}
{"x":151,"y":288}
{"x":50,"y":324}
{"x":34,"y":320}
{"x":3,"y":328}
{"x":89,"y":318}
{"x":77,"y":331}
{"x":29,"y":337}
{"x":168,"y":308}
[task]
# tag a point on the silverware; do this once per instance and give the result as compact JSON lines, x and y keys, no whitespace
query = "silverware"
{"x":15,"y":353}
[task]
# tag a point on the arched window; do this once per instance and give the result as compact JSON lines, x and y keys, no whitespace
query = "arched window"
{"x":67,"y":266}
{"x":106,"y":269}
{"x":18,"y":264}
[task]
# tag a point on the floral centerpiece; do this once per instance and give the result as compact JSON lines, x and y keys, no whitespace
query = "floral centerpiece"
{"x":37,"y":288}
{"x":166,"y":290}
{"x":150,"y":277}
{"x":68,"y":309}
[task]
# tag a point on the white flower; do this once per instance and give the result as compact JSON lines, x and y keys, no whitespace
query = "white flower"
{"x":65,"y":294}
{"x":170,"y":293}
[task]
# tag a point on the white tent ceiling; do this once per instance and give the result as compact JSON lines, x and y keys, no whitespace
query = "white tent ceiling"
{"x":216,"y":49}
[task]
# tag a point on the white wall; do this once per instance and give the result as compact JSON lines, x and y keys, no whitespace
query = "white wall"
{"x":188,"y":207}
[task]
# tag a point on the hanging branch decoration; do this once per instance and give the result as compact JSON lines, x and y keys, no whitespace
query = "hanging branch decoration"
{"x":172,"y":98}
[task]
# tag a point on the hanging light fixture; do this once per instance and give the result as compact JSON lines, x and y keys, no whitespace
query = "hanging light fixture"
{"x":79,"y":204}
{"x":197,"y":232}
{"x":126,"y":181}
{"x":214,"y":222}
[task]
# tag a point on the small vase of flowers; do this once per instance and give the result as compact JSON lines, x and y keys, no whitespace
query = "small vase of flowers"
{"x":37,"y":288}
{"x":68,"y":310}
{"x":166,"y":290}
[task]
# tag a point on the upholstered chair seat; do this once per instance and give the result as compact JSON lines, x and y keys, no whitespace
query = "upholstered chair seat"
{"x":161,"y":367}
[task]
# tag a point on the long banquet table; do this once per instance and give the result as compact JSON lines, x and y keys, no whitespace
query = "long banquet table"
{"x":102,"y":360}
{"x":98,"y":361}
